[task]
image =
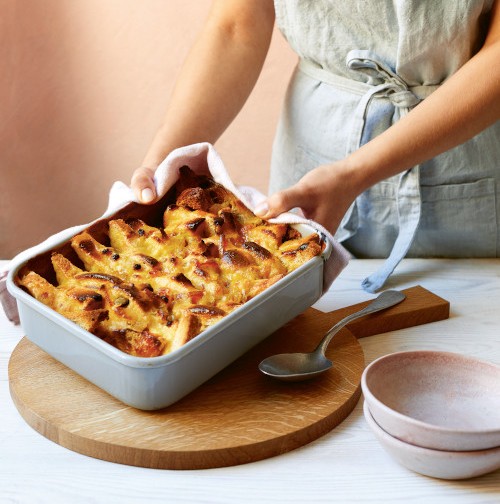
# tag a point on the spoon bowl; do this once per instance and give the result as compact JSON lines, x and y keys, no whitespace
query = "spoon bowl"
{"x":304,"y":366}
{"x":295,"y":366}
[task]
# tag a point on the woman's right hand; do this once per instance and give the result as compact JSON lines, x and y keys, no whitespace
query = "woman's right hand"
{"x":215,"y":81}
{"x":143,"y":185}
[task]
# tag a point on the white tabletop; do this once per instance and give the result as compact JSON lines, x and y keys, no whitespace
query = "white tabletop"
{"x":346,"y":465}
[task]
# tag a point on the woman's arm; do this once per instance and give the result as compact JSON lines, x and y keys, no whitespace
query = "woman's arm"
{"x":214,"y":83}
{"x":460,"y":108}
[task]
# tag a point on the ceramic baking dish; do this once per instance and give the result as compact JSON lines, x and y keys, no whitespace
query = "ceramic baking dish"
{"x":156,"y":382}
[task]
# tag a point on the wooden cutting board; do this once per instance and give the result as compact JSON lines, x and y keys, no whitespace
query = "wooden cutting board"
{"x":238,"y":416}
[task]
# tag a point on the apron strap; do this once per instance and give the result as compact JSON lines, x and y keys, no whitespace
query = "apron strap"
{"x":409,"y":209}
{"x":382,"y":82}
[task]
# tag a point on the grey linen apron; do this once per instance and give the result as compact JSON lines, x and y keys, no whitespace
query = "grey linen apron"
{"x":363,"y":64}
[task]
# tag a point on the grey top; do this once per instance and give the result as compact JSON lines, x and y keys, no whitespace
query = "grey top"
{"x":363,"y":65}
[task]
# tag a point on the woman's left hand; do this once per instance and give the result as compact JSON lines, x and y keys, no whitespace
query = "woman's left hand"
{"x":323,"y":194}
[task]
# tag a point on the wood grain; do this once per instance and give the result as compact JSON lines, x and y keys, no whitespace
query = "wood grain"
{"x":237,"y":417}
{"x":420,"y":307}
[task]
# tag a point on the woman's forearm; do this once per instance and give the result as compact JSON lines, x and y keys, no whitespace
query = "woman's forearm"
{"x":217,"y":77}
{"x":463,"y":106}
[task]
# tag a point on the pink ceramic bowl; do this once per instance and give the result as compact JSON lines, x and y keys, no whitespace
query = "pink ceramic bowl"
{"x":450,"y":465}
{"x":437,"y":400}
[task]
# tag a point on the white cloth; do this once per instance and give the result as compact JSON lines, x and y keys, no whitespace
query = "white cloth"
{"x":198,"y":157}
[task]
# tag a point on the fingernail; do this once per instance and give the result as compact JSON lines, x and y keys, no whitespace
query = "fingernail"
{"x":261,"y":209}
{"x":147,"y":195}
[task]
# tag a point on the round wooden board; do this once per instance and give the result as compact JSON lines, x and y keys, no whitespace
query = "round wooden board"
{"x":238,"y":416}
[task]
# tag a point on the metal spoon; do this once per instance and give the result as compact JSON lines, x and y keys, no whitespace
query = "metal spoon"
{"x":303,"y":366}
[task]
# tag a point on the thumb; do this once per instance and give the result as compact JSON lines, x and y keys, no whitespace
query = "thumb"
{"x":142,"y":184}
{"x":278,"y":203}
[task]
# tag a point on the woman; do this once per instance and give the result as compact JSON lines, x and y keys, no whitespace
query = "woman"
{"x":389,"y":134}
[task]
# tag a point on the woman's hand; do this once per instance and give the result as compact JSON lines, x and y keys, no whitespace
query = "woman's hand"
{"x":214,"y":82}
{"x":324,"y":195}
{"x":143,"y":185}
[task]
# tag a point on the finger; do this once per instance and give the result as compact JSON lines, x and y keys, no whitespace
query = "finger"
{"x":278,"y":203}
{"x":142,"y":184}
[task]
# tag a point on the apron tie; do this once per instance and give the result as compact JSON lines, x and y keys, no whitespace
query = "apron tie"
{"x":382,"y":82}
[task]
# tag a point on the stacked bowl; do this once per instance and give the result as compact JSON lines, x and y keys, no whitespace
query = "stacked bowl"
{"x":436,"y":413}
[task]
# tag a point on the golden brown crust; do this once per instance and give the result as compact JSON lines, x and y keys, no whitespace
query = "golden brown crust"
{"x":149,"y":290}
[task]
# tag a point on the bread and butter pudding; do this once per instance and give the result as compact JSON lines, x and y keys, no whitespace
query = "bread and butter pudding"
{"x":147,"y":290}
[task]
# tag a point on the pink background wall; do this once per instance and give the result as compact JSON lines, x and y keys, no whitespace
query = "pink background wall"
{"x":83,"y":87}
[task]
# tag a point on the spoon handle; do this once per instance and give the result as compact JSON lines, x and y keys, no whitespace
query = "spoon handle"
{"x":385,"y":300}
